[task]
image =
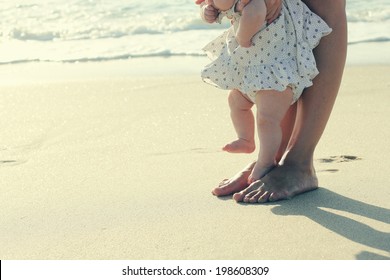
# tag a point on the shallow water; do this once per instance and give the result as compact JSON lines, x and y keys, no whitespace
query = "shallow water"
{"x":99,"y":30}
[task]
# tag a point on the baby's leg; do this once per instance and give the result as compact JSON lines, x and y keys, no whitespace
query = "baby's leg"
{"x":271,"y":108}
{"x":243,"y":122}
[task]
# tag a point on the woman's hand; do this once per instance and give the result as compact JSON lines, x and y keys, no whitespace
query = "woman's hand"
{"x":241,"y":4}
{"x":273,"y":8}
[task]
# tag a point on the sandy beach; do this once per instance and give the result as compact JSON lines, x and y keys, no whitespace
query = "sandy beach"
{"x":113,"y":160}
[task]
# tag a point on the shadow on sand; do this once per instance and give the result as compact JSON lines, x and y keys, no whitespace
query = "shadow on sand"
{"x":311,"y":205}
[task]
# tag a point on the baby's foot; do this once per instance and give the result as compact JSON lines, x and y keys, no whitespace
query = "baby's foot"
{"x":259,"y":172}
{"x":240,"y":146}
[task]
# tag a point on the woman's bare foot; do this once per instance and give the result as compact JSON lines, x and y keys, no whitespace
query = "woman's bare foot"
{"x":235,"y":184}
{"x":283,"y":182}
{"x":240,"y":146}
{"x":259,"y":171}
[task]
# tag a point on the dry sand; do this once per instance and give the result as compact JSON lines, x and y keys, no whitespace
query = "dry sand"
{"x":121,"y":167}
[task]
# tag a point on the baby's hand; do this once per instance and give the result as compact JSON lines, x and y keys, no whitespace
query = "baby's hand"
{"x":209,"y":13}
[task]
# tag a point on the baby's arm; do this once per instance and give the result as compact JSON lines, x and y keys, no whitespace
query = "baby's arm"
{"x":252,"y":19}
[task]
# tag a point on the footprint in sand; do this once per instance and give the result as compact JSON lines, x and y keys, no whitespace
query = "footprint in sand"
{"x":11,"y":162}
{"x":337,"y":159}
{"x":14,"y":155}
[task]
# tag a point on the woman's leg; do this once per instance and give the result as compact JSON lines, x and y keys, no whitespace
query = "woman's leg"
{"x":297,"y":174}
{"x":240,"y":181}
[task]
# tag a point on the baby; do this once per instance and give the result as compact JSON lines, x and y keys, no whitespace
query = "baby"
{"x":252,"y":16}
{"x":267,"y":65}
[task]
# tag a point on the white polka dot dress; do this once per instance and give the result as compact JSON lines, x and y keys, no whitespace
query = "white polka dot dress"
{"x":281,"y":54}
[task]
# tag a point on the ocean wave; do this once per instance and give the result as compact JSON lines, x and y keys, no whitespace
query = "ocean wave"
{"x":84,"y":30}
{"x":371,"y":40}
{"x":186,"y":43}
{"x":369,"y":16}
{"x":26,"y":35}
{"x":165,"y":53}
{"x":103,"y":30}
